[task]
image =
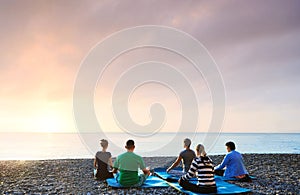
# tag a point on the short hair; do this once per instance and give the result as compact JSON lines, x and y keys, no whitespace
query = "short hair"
{"x":104,"y":143}
{"x":231,"y":145}
{"x":130,"y":143}
{"x":187,"y":142}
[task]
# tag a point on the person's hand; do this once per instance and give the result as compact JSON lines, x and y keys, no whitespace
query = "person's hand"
{"x":168,"y":170}
{"x":114,"y":170}
{"x":178,"y":180}
{"x":146,"y":171}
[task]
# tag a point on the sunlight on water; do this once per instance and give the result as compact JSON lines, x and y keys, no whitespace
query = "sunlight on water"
{"x":34,"y":146}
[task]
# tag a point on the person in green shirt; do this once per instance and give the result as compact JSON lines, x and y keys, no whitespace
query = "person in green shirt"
{"x":128,"y":165}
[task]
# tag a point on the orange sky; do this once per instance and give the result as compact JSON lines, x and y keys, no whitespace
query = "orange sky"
{"x":44,"y":42}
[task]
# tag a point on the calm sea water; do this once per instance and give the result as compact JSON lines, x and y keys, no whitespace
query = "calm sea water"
{"x":71,"y":145}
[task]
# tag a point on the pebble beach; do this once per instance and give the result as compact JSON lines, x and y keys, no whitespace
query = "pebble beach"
{"x":276,"y":174}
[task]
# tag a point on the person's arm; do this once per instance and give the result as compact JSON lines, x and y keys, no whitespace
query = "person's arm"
{"x":143,"y":167}
{"x":223,"y":164}
{"x":175,"y":164}
{"x":95,"y":163}
{"x":146,"y":171}
{"x":110,"y":163}
{"x":191,"y":173}
{"x":115,"y":170}
{"x":116,"y":166}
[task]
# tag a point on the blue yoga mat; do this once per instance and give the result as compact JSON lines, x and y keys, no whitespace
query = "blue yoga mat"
{"x":233,"y":178}
{"x":151,"y":182}
{"x":222,"y":188}
{"x":161,"y":172}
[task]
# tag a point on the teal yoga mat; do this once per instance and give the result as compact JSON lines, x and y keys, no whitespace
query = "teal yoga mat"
{"x":222,"y":188}
{"x":161,"y":172}
{"x":151,"y":182}
{"x":233,"y":178}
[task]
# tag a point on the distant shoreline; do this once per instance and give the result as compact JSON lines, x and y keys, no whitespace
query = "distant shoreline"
{"x":89,"y":158}
{"x":75,"y":146}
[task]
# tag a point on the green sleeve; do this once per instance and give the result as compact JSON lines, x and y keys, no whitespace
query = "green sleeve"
{"x":142,"y":163}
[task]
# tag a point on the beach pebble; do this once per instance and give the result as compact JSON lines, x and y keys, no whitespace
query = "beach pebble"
{"x":276,"y":174}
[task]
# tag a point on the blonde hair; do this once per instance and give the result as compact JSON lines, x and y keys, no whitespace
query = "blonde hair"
{"x":104,"y":143}
{"x":201,"y":150}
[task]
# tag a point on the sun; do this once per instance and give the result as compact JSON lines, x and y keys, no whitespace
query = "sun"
{"x":50,"y":123}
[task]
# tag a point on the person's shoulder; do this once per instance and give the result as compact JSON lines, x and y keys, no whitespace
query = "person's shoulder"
{"x":98,"y":153}
{"x":130,"y":155}
{"x":122,"y":155}
{"x":237,"y":152}
{"x":136,"y":155}
{"x":207,"y":159}
{"x":182,"y":152}
{"x":193,"y":152}
{"x":234,"y":152}
{"x":197,"y":159}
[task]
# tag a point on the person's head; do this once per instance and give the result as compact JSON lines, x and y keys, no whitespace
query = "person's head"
{"x":230,"y":146}
{"x":130,"y":145}
{"x":200,"y":150}
{"x":187,"y":143}
{"x":104,"y":143}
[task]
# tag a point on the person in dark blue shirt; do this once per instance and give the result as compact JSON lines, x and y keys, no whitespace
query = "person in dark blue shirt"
{"x":102,"y":162}
{"x":186,"y":156}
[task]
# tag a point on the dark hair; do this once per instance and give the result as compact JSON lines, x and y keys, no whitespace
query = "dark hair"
{"x":230,"y":145}
{"x":129,"y":143}
{"x":104,"y":143}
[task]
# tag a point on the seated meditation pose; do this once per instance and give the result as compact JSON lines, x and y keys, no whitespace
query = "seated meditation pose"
{"x":102,"y":161}
{"x":202,"y":168}
{"x":186,"y":156}
{"x":128,"y":165}
{"x":233,"y":164}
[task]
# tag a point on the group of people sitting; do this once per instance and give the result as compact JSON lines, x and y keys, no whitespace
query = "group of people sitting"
{"x":127,"y":166}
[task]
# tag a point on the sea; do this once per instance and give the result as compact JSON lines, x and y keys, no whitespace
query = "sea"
{"x":42,"y":146}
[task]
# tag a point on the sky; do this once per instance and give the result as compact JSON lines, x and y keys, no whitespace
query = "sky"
{"x":254,"y":43}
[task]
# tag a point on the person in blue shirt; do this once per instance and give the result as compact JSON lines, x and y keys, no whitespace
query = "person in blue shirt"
{"x":233,"y":162}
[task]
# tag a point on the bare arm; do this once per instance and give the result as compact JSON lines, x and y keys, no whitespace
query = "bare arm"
{"x":95,"y":163}
{"x":115,"y":170}
{"x":110,"y":163}
{"x":146,"y":171}
{"x":175,"y":164}
{"x":115,"y":166}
